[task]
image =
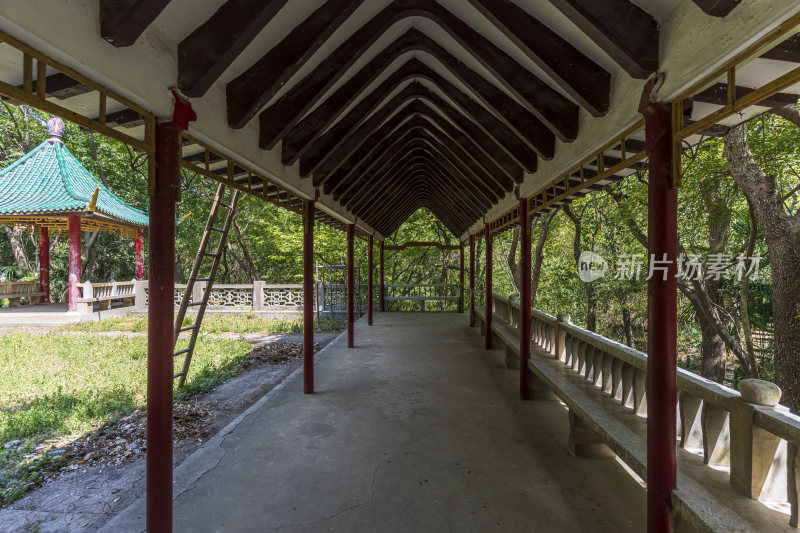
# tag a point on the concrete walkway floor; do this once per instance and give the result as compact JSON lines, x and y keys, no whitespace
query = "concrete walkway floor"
{"x":417,"y":428}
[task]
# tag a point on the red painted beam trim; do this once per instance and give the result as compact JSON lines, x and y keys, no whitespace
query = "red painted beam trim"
{"x":44,"y":264}
{"x":471,"y":280}
{"x":308,"y":297}
{"x":74,"y":230}
{"x":382,"y":290}
{"x":138,"y":246}
{"x":461,"y":277}
{"x":350,"y":285}
{"x":488,"y":299}
{"x":160,"y":365}
{"x":369,"y":281}
{"x":524,"y":300}
{"x":662,"y":238}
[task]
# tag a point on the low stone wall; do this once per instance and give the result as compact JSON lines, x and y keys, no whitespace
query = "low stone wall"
{"x":757,"y":445}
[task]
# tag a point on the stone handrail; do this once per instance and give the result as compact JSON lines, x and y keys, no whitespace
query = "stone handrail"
{"x":422,"y":293}
{"x":119,"y":289}
{"x":256,"y":296}
{"x":104,"y":293}
{"x":14,"y":290}
{"x":19,"y":287}
{"x":758,"y":444}
{"x":430,"y":291}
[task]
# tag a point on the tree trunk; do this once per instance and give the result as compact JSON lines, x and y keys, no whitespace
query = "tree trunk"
{"x":91,"y":255}
{"x":248,"y":260}
{"x":782,"y":236}
{"x":538,"y":253}
{"x":627,"y":325}
{"x":591,"y":299}
{"x":712,"y":349}
{"x":16,"y":237}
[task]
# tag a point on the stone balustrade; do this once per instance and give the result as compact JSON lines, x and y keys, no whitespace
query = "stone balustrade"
{"x":410,"y":292}
{"x":104,"y":294}
{"x":755,"y":446}
{"x":16,"y":291}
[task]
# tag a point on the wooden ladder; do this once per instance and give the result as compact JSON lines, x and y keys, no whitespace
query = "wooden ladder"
{"x":202,"y":254}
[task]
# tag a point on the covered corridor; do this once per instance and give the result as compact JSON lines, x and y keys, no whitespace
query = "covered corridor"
{"x":489,"y":113}
{"x":416,"y":428}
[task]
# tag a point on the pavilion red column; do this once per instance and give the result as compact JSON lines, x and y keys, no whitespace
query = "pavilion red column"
{"x":308,"y":298}
{"x":138,"y":247}
{"x":524,"y":300}
{"x":461,"y":278}
{"x":74,"y":229}
{"x":381,"y":290}
{"x":160,"y":330}
{"x":369,"y":281}
{"x":44,"y":264}
{"x":488,"y":306}
{"x":662,"y":240}
{"x":471,"y":280}
{"x":350,"y":284}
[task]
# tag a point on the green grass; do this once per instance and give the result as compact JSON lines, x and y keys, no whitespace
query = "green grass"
{"x":57,"y":386}
{"x":213,"y":324}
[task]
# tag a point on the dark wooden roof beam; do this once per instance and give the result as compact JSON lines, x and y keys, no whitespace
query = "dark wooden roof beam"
{"x":717,"y":8}
{"x":123,"y":21}
{"x":718,"y":94}
{"x":251,"y":90}
{"x":290,"y":108}
{"x":580,"y":77}
{"x":623,"y":30}
{"x":788,"y":50}
{"x":210,"y":49}
{"x":509,"y":111}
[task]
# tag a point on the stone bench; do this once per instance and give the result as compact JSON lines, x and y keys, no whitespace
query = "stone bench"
{"x":15,"y":291}
{"x":606,"y":402}
{"x":502,"y":334}
{"x":104,"y":294}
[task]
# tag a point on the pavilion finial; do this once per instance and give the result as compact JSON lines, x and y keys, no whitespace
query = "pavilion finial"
{"x":55,"y":127}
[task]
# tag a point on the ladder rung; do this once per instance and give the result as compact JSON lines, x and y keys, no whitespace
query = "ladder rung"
{"x":178,"y":374}
{"x":188,"y":328}
{"x":209,"y":254}
{"x":176,"y":354}
{"x":226,"y":206}
{"x":217,"y":229}
{"x":194,"y":304}
{"x":202,"y":279}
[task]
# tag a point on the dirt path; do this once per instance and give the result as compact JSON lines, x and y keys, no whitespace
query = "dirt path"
{"x":84,"y":497}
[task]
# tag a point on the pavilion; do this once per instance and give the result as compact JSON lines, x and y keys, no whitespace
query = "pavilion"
{"x":48,"y":189}
{"x":489,"y":113}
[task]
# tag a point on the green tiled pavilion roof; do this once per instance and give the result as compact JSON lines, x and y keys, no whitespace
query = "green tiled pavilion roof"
{"x":49,"y":179}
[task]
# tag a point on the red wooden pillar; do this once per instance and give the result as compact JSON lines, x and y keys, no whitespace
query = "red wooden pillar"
{"x":524,"y":300}
{"x":138,"y":246}
{"x":308,"y":298}
{"x":662,"y":240}
{"x":44,"y":264}
{"x":350,"y":284}
{"x":369,"y":281}
{"x":489,"y":306}
{"x":381,"y":290}
{"x":160,"y":330}
{"x":74,"y":229}
{"x":471,"y":280}
{"x":461,"y":278}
